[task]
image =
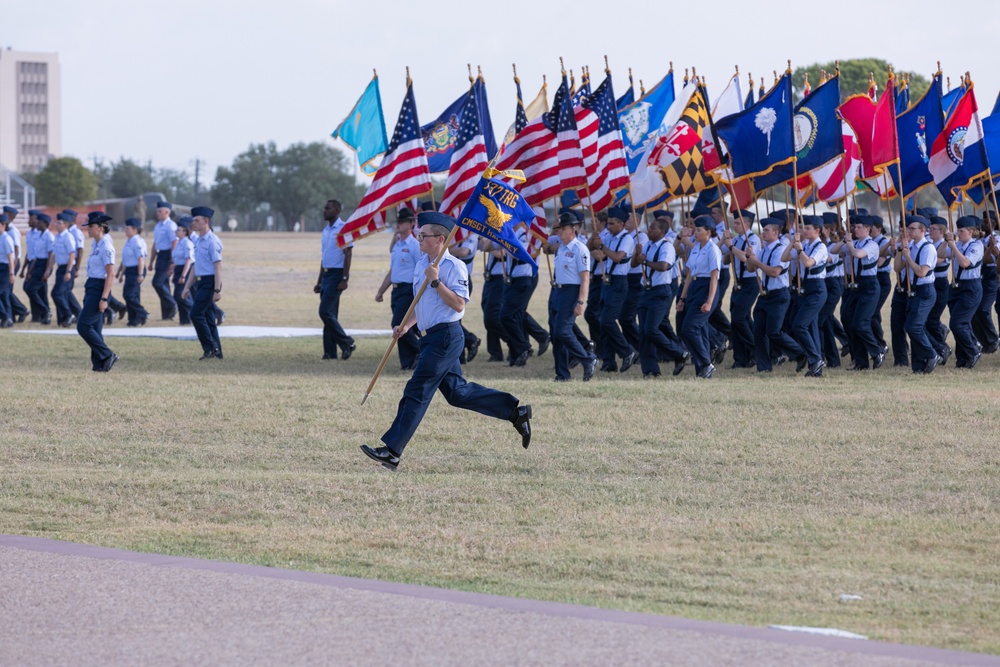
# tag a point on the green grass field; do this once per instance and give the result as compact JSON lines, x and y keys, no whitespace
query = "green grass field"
{"x":744,"y":499}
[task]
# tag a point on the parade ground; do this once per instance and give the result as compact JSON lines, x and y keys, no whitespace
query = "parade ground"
{"x":866,"y":502}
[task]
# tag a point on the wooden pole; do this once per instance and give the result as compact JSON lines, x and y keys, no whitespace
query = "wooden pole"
{"x":409,"y":311}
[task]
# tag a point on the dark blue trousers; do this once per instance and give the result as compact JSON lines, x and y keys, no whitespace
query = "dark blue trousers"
{"x":36,"y":288}
{"x":982,"y":320}
{"x":962,"y":306}
{"x":203,"y":314}
{"x":161,"y":283}
{"x":857,"y":314}
{"x":132,"y":292}
{"x":898,"y":308}
{"x":884,"y":289}
{"x":935,"y":328}
{"x":74,"y":305}
{"x":722,"y":326}
{"x":805,"y":325}
{"x":90,"y":324}
{"x":60,"y":295}
{"x":438,"y":369}
{"x":628,"y":318}
{"x":183,"y":305}
{"x":329,"y":310}
{"x":741,"y":325}
{"x":406,"y":345}
{"x":769,"y":336}
{"x":491,"y":300}
{"x":6,"y":312}
{"x":695,"y":329}
{"x":918,"y":308}
{"x":654,"y":303}
{"x":592,"y":314}
{"x":513,"y":307}
{"x":532,"y":328}
{"x":565,"y":343}
{"x":613,"y":297}
{"x":828,"y":321}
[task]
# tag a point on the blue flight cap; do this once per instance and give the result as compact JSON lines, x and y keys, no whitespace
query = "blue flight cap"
{"x":43,"y":217}
{"x":699,"y":211}
{"x":97,"y":218}
{"x":185,"y":222}
{"x":617,"y":213}
{"x":771,"y":222}
{"x":405,"y":215}
{"x":865,"y":220}
{"x":65,"y":217}
{"x":877,"y":221}
{"x":831,"y":218}
{"x":938,"y":220}
{"x":919,"y":219}
{"x":663,"y":214}
{"x":812,"y":220}
{"x":861,"y":211}
{"x":4,"y":218}
{"x":133,"y":222}
{"x":968,"y":221}
{"x":69,"y":211}
{"x":10,"y":210}
{"x":34,"y":211}
{"x":435,"y":218}
{"x":747,"y":216}
{"x":202,"y":211}
{"x":705,"y":221}
{"x":165,"y":204}
{"x":428,"y":206}
{"x":780,"y":215}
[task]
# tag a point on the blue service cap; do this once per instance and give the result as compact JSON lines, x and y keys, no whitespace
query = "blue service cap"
{"x":435,"y":218}
{"x":919,"y":219}
{"x":831,"y":218}
{"x":202,"y":211}
{"x":185,"y":222}
{"x":661,"y":213}
{"x":164,"y":204}
{"x":772,"y":221}
{"x":813,"y":220}
{"x":968,"y":221}
{"x":705,"y":221}
{"x":405,"y":215}
{"x":65,"y":217}
{"x":133,"y":222}
{"x":10,"y":209}
{"x":97,"y":218}
{"x":44,"y":217}
{"x":618,"y":213}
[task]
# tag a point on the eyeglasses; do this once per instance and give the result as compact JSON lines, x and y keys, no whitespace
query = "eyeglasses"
{"x":915,"y":228}
{"x":427,"y":236}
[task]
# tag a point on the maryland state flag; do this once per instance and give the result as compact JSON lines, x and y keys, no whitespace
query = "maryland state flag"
{"x":678,"y":153}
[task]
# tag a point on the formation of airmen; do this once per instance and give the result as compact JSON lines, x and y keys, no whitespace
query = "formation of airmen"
{"x":56,"y":248}
{"x":656,"y":296}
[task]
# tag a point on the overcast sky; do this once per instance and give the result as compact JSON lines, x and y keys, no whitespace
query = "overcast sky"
{"x":170,"y":82}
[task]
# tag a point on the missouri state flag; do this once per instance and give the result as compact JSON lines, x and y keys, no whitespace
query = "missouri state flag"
{"x":958,"y":156}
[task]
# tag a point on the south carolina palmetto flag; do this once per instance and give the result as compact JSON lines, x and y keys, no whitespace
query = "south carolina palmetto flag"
{"x":403,"y":175}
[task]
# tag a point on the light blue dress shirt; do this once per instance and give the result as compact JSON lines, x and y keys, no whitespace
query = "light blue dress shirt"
{"x":333,"y":256}
{"x":64,"y":245}
{"x":164,"y":234}
{"x":405,"y":255}
{"x":431,"y":308}
{"x":571,"y":259}
{"x":135,"y":248}
{"x":182,"y":251}
{"x":207,"y":251}
{"x":101,"y":254}
{"x":770,"y":255}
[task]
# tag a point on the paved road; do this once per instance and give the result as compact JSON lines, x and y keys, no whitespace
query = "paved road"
{"x":70,"y":604}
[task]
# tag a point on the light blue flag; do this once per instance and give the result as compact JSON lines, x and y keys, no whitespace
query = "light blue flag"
{"x":364,"y":129}
{"x":640,"y":121}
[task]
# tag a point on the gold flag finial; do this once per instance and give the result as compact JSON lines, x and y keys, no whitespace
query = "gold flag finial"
{"x":545,"y":81}
{"x":750,"y":79}
{"x":479,"y":72}
{"x":775,"y":72}
{"x":822,"y":76}
{"x":789,"y":70}
{"x":562,"y":67}
{"x":686,"y":77}
{"x":374,"y":73}
{"x":671,"y":67}
{"x":408,"y":79}
{"x":694,"y":71}
{"x":607,"y":67}
{"x":836,"y":68}
{"x":642,"y":89}
{"x":737,"y":70}
{"x":939,"y":67}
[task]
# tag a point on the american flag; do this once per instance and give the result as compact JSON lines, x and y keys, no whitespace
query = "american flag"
{"x":547,"y":150}
{"x":467,"y":161}
{"x":602,"y":147}
{"x":538,"y":232}
{"x":402,"y":176}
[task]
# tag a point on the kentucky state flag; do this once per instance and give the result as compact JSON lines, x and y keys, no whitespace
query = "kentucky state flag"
{"x":958,"y":156}
{"x":817,"y":134}
{"x":760,"y":138}
{"x":493,"y":211}
{"x":917,"y":128}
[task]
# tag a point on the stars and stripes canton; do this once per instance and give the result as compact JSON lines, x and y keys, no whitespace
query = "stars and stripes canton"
{"x":581,"y":95}
{"x":402,"y":175}
{"x":602,"y":147}
{"x":467,"y":162}
{"x":686,"y":174}
{"x":547,"y":150}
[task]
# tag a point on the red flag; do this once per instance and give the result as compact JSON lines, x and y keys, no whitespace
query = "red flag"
{"x":885,"y":147}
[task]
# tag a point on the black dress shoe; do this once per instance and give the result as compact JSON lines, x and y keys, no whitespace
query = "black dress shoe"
{"x":588,"y":369}
{"x":591,"y":347}
{"x":971,"y":363}
{"x":609,"y":368}
{"x":20,"y":318}
{"x":47,"y":320}
{"x":707,"y":372}
{"x":383,"y":455}
{"x":109,"y":363}
{"x":879,"y":360}
{"x":720,"y":355}
{"x":629,"y":360}
{"x":559,"y":379}
{"x":816,"y":370}
{"x":218,"y":354}
{"x":544,"y":345}
{"x":946,"y":354}
{"x":327,"y":356}
{"x":801,"y":363}
{"x":844,"y":351}
{"x":650,"y":376}
{"x":121,"y":313}
{"x":679,"y":365}
{"x":991,"y":349}
{"x":932,"y":364}
{"x":208,"y":355}
{"x":348,"y":351}
{"x":521,"y":359}
{"x":780,"y":360}
{"x":494,"y":359}
{"x":521,"y":419}
{"x":473,"y":350}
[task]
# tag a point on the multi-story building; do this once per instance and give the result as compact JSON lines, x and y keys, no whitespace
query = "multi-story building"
{"x":30,"y":109}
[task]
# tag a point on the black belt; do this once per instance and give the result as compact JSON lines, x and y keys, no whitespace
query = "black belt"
{"x":329,"y":270}
{"x":438,"y":327}
{"x":198,"y":279}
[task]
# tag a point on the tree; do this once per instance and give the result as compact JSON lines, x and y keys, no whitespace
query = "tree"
{"x":176,"y":186}
{"x":128,"y":179}
{"x":64,"y":181}
{"x":294,"y":183}
{"x":854,"y":77}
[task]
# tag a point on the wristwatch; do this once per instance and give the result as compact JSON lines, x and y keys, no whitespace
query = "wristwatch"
{"x":435,"y":283}
{"x":579,"y":303}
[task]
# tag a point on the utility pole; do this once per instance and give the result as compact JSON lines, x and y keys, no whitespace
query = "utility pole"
{"x":197,"y":171}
